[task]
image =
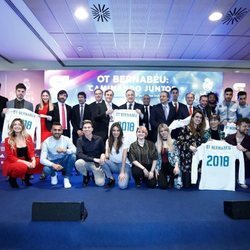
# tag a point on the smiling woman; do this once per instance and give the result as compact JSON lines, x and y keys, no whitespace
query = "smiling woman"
{"x":20,"y":159}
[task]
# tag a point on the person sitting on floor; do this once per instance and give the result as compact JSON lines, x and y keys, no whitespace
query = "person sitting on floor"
{"x":143,"y":156}
{"x":20,"y":159}
{"x":168,"y":158}
{"x":116,"y":155}
{"x":58,"y":153}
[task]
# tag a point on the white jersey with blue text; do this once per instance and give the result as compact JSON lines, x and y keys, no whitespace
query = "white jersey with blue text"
{"x":31,"y":121}
{"x":218,"y":166}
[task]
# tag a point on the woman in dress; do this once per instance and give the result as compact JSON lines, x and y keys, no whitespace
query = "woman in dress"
{"x":20,"y":159}
{"x":116,"y":154}
{"x":168,"y":158}
{"x":143,"y":156}
{"x":190,"y":137}
{"x":45,"y":109}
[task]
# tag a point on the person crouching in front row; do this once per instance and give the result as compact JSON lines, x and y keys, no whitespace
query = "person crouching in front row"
{"x":20,"y":159}
{"x":90,"y":155}
{"x":58,"y":153}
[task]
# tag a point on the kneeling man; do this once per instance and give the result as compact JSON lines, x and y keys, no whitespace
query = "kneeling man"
{"x":58,"y":153}
{"x":90,"y":155}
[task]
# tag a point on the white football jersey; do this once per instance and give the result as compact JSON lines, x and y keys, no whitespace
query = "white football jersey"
{"x":31,"y":121}
{"x":218,"y":166}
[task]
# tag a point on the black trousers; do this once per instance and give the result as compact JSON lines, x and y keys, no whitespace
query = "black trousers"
{"x":167,"y":170}
{"x":138,"y":176}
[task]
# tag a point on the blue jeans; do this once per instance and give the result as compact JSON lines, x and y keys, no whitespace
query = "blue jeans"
{"x":67,"y":162}
{"x":110,"y":167}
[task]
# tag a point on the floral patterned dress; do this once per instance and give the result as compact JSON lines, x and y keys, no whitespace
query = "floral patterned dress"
{"x":184,"y":141}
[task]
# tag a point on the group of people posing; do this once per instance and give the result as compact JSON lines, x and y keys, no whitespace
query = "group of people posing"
{"x":159,"y":156}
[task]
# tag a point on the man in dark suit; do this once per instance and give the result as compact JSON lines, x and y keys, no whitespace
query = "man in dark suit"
{"x":162,"y":113}
{"x":131,"y":104}
{"x":103,"y":115}
{"x":203,"y":106}
{"x":146,"y":115}
{"x":80,"y":112}
{"x":190,"y":97}
{"x":180,"y":108}
{"x":63,"y":112}
{"x":19,"y":102}
{"x":3,"y":101}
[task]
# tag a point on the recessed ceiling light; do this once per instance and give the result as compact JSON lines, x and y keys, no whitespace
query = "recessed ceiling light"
{"x":215,"y":16}
{"x":81,"y":13}
{"x":24,"y":69}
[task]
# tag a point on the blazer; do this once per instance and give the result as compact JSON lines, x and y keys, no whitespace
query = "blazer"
{"x":11,"y":154}
{"x":3,"y":102}
{"x":101,"y":120}
{"x":75,"y":118}
{"x":66,"y":132}
{"x":47,"y":122}
{"x":157,"y":117}
{"x":136,"y":106}
{"x":182,"y":112}
{"x":27,"y":105}
{"x":144,"y":120}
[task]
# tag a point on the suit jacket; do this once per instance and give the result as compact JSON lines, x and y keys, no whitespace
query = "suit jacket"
{"x":47,"y":122}
{"x":3,"y":102}
{"x":182,"y":112}
{"x":207,"y":111}
{"x":101,"y":120}
{"x":75,"y":118}
{"x":27,"y":105}
{"x":136,"y":106}
{"x":66,"y":132}
{"x":144,"y":120}
{"x":157,"y":117}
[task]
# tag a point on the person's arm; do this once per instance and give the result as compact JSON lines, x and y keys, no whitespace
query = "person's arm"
{"x":44,"y":155}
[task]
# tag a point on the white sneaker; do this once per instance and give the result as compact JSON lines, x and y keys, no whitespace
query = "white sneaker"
{"x":66,"y":183}
{"x":244,"y":186}
{"x":54,"y":180}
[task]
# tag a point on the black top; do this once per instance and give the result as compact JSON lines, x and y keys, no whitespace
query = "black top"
{"x":22,"y":153}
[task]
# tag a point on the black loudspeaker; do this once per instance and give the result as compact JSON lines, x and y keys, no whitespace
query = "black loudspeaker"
{"x":237,"y":209}
{"x":59,"y":211}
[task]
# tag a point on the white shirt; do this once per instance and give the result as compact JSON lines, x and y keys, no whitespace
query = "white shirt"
{"x":218,"y":166}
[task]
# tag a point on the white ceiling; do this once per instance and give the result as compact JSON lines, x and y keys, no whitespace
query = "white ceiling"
{"x":140,"y":34}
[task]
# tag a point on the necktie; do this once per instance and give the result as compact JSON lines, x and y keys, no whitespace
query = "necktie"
{"x":146,"y":116}
{"x":130,"y":106}
{"x":190,"y":110}
{"x":176,"y":107}
{"x":63,"y":117}
{"x":81,"y":115}
{"x":165,"y":108}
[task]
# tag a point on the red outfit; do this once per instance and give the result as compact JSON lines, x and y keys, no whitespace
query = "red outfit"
{"x":15,"y":169}
{"x":45,"y":133}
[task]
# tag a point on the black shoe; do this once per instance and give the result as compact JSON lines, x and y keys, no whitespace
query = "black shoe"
{"x":42,"y":177}
{"x":86,"y":180}
{"x":13,"y":182}
{"x":138,"y":182}
{"x":27,"y":180}
{"x":110,"y":183}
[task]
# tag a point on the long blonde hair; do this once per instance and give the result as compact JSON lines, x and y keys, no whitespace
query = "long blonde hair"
{"x":159,"y":142}
{"x":51,"y":106}
{"x":12,"y":134}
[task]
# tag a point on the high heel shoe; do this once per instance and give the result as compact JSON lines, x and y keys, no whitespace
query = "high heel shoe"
{"x":27,"y":180}
{"x":13,"y":182}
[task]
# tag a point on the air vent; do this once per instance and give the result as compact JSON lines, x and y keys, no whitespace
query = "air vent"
{"x":234,"y":16}
{"x":100,"y":13}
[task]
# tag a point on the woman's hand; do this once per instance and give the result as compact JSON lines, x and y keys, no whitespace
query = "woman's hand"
{"x":193,"y":149}
{"x":145,"y":171}
{"x":150,"y":175}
